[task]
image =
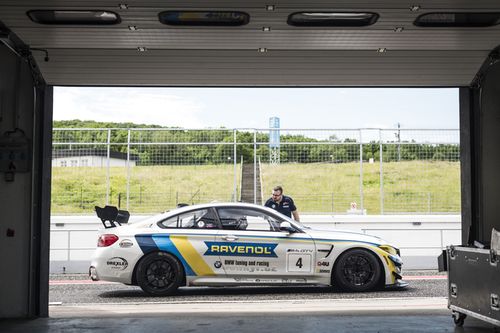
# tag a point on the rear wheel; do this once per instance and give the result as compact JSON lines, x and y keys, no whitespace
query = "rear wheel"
{"x":357,"y":270}
{"x":159,"y":274}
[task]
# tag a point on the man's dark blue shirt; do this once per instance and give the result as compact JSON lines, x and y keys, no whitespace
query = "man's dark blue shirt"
{"x":285,"y":207}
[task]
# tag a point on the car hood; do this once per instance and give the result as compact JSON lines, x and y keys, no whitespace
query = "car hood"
{"x":329,"y":233}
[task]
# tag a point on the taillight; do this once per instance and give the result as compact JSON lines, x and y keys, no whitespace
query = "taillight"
{"x":106,"y":240}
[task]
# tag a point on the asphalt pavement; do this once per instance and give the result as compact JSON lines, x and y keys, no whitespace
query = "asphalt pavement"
{"x":79,"y":305}
{"x":78,"y":289}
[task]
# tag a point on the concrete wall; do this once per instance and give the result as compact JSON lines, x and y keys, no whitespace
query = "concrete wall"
{"x":420,"y":237}
{"x":16,"y":111}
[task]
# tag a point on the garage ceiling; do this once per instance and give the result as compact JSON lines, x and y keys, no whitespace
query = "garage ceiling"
{"x":228,"y":56}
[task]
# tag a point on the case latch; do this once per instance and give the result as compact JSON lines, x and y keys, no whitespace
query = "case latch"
{"x":453,"y":290}
{"x":494,"y":302}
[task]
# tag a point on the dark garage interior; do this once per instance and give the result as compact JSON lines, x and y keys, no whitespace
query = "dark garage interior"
{"x":391,"y":43}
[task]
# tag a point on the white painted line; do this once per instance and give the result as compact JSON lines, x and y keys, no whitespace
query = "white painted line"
{"x":424,"y":277}
{"x":76,"y":282}
{"x":299,"y":306}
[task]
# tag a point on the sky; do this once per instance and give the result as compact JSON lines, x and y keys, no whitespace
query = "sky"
{"x":301,"y":108}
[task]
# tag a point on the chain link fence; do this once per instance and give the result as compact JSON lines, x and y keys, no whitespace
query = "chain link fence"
{"x":364,"y":171}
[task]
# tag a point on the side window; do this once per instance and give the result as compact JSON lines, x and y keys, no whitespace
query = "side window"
{"x":196,"y":219}
{"x":247,"y":219}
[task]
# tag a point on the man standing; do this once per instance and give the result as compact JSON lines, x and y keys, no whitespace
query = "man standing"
{"x":282,"y":203}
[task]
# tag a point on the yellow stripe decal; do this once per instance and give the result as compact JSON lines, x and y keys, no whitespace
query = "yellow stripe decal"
{"x":390,"y":264}
{"x":192,"y":257}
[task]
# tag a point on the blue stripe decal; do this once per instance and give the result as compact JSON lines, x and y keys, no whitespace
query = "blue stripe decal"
{"x":287,"y":238}
{"x":146,"y":243}
{"x":165,"y":244}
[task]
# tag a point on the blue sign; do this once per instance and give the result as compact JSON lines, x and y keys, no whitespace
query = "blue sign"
{"x":274,"y":134}
{"x":241,"y":249}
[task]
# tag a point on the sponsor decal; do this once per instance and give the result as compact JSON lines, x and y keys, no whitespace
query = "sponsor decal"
{"x":257,"y":280}
{"x":294,"y":280}
{"x":324,"y":263}
{"x":217,"y":264}
{"x":324,"y":271}
{"x":246,"y":263}
{"x":240,"y":249}
{"x":117,"y":263}
{"x":248,"y":266}
{"x":250,"y":269}
{"x":300,"y":250}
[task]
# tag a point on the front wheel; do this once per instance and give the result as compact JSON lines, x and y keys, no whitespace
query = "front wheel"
{"x":159,"y":274}
{"x":357,"y":270}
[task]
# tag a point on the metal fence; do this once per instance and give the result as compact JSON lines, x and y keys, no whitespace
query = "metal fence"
{"x":374,"y":171}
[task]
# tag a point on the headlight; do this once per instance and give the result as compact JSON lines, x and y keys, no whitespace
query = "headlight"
{"x":396,"y":260}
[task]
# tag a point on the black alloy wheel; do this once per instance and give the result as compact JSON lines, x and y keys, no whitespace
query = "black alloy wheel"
{"x":159,"y":274}
{"x":357,"y":270}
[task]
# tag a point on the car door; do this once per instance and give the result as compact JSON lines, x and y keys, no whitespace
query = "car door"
{"x":252,"y":249}
{"x":185,"y":234}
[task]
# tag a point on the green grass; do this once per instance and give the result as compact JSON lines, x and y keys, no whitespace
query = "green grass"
{"x":152,"y":188}
{"x":413,"y":186}
{"x":410,"y":186}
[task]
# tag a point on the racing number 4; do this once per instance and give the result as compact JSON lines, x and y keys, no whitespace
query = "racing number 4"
{"x":298,"y":262}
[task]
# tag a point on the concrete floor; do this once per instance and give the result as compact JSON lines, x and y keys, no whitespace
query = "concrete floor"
{"x":381,"y":322}
{"x":427,"y":315}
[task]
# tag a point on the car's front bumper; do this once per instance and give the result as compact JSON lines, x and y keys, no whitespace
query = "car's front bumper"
{"x":398,"y":285}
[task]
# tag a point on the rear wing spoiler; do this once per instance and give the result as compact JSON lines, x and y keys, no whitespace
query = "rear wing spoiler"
{"x":111,"y":216}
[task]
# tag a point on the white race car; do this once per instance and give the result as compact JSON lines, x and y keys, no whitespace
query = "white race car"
{"x":236,"y":244}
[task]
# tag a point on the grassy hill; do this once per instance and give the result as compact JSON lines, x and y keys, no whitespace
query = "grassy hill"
{"x":409,"y":186}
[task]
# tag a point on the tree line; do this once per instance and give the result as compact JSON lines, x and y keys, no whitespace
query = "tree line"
{"x":174,"y":146}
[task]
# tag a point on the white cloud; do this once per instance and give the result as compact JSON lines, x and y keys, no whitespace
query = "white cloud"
{"x":126,"y":105}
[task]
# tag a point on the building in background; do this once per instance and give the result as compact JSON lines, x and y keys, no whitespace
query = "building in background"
{"x":91,"y":158}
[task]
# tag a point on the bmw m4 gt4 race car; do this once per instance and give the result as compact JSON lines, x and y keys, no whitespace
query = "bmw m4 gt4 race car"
{"x":236,"y":244}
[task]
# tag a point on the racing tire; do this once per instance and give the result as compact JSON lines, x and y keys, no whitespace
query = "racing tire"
{"x":357,"y":270}
{"x":159,"y":274}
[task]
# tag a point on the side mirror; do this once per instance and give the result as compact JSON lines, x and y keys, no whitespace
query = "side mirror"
{"x":286,"y":226}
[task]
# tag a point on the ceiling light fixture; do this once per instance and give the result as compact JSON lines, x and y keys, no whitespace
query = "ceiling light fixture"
{"x":123,"y":6}
{"x":415,"y":8}
{"x":142,"y":49}
{"x":204,"y":18}
{"x":262,"y":50}
{"x":332,"y":19}
{"x":270,"y":7}
{"x":381,"y":50}
{"x":74,"y":17}
{"x":399,"y":29}
{"x":132,"y":27}
{"x":266,"y":29}
{"x":458,"y":19}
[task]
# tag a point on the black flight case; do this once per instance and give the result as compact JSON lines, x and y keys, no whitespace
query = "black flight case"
{"x":473,"y":283}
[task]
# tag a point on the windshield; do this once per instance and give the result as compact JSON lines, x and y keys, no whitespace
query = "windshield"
{"x":148,"y":221}
{"x":286,"y":218}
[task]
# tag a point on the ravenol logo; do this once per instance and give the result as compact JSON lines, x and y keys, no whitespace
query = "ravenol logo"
{"x":240,"y":249}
